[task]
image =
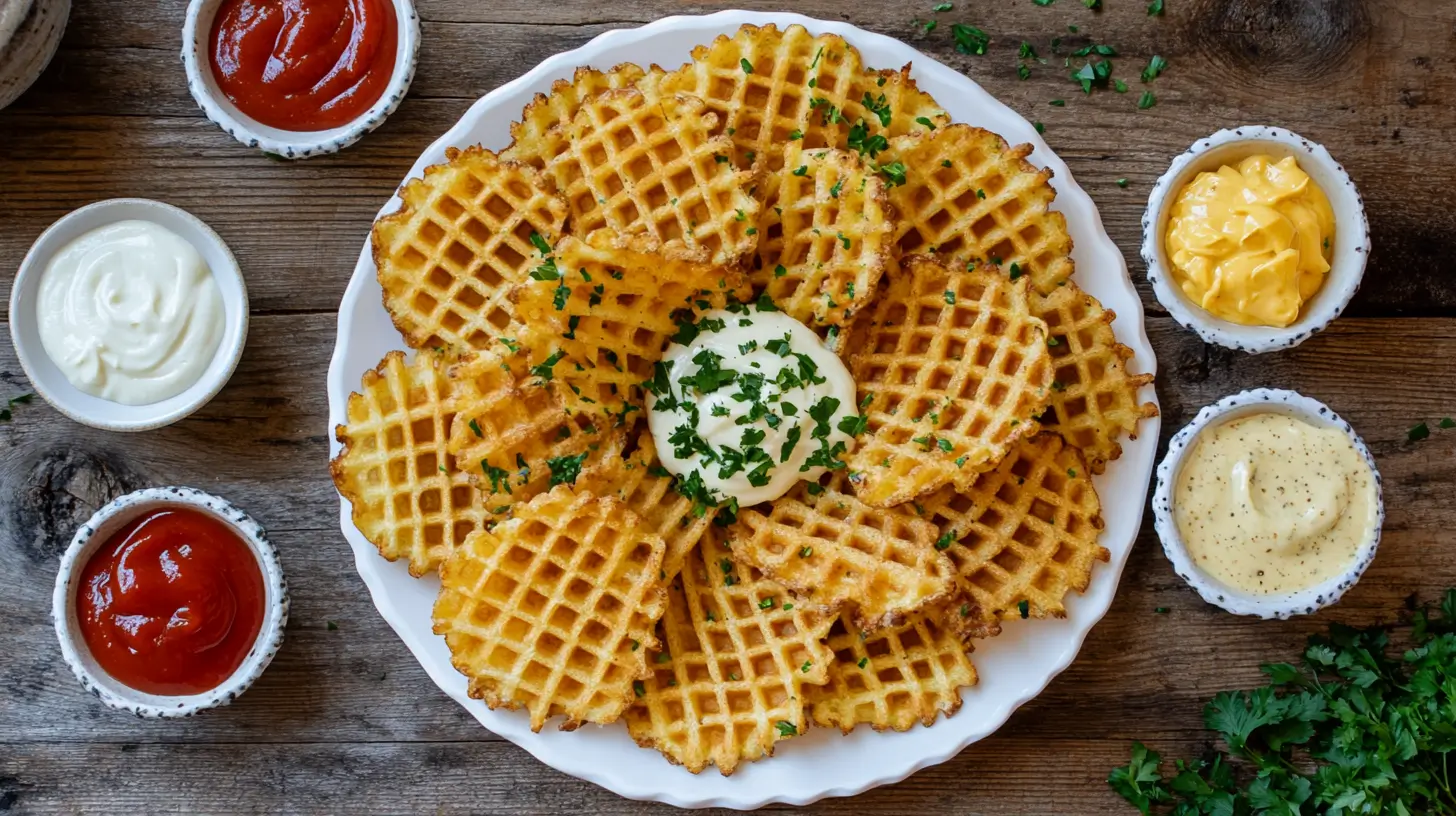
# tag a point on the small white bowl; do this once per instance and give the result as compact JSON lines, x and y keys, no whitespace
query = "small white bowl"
{"x":52,"y":384}
{"x":95,"y":532}
{"x":1258,"y":401}
{"x":1347,"y":264}
{"x":292,"y":144}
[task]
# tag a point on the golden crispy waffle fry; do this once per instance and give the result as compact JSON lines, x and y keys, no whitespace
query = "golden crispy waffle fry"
{"x":596,"y":330}
{"x":955,"y":368}
{"x":449,"y":256}
{"x":553,"y":611}
{"x":772,"y":87}
{"x":1094,"y":398}
{"x":513,"y":437}
{"x":826,"y":240}
{"x":647,"y":490}
{"x":892,"y":105}
{"x":540,"y":136}
{"x":969,"y":198}
{"x":1025,"y":532}
{"x":893,"y":678}
{"x":407,"y":497}
{"x":738,"y":658}
{"x":835,"y":551}
{"x":640,"y":163}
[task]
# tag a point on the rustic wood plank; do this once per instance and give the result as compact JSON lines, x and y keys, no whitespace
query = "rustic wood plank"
{"x":346,"y":720}
{"x":356,"y":691}
{"x":1367,"y":83}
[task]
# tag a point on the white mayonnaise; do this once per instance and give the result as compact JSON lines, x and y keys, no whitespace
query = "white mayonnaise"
{"x":751,"y":405}
{"x":130,"y":312}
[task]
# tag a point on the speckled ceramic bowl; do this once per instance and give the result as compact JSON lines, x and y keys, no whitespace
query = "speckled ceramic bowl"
{"x":291,"y":144}
{"x":94,"y":533}
{"x":1258,"y":401}
{"x":1347,"y":265}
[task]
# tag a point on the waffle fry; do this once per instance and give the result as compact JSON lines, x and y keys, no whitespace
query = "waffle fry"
{"x":514,"y":437}
{"x":835,"y":551}
{"x":541,"y":134}
{"x":969,"y":198}
{"x":597,"y":329}
{"x":640,"y":482}
{"x":462,"y":239}
{"x":894,"y":678}
{"x":737,"y":664}
{"x":826,"y":239}
{"x":955,"y":368}
{"x":796,"y":89}
{"x":407,"y":497}
{"x":1094,"y":398}
{"x":553,"y":611}
{"x":892,"y":105}
{"x":641,"y":164}
{"x":1024,"y":532}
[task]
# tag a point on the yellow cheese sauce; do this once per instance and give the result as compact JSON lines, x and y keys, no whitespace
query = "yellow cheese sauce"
{"x":1251,"y":244}
{"x":1269,"y":504}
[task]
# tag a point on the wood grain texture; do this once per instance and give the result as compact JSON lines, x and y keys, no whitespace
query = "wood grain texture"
{"x":345,"y":719}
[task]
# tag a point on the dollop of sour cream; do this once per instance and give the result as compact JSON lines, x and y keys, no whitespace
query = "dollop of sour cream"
{"x":130,"y":312}
{"x":1270,"y":504}
{"x":749,"y":404}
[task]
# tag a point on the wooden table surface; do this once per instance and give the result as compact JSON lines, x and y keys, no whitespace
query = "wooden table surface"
{"x":345,"y":720}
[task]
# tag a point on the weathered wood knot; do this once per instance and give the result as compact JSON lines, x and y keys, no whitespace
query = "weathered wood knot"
{"x":45,"y":502}
{"x":1283,"y":41}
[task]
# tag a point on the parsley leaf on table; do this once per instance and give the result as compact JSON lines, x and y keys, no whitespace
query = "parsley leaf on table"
{"x":1350,"y":731}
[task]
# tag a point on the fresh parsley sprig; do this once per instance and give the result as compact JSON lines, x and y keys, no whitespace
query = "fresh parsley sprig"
{"x":1349,"y":731}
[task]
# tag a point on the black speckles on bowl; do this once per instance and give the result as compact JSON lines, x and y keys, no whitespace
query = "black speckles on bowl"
{"x":1280,"y":607}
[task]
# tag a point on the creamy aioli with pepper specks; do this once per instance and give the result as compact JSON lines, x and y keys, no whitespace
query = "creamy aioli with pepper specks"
{"x":1270,"y":504}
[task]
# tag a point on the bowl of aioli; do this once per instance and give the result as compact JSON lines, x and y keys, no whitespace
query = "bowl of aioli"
{"x":299,"y":78}
{"x":128,"y":314}
{"x":1268,"y":504}
{"x":169,"y":601}
{"x":1253,"y":206}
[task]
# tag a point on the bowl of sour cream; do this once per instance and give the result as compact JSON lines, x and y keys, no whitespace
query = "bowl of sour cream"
{"x":1269,"y":504}
{"x":128,"y":314}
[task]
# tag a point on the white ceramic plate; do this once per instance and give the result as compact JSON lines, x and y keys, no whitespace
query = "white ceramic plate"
{"x":1014,"y":668}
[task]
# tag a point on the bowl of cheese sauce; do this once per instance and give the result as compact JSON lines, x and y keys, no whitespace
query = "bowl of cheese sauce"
{"x":1255,"y":238}
{"x":1269,"y":504}
{"x":128,"y":314}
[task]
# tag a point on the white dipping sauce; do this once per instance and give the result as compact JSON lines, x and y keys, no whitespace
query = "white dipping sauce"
{"x":130,"y":312}
{"x":768,"y":419}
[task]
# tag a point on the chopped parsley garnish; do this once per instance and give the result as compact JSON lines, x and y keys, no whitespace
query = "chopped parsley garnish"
{"x":746,"y":65}
{"x":1024,"y":608}
{"x":1122,"y":182}
{"x":1418,"y":433}
{"x":475,"y":428}
{"x":510,"y":344}
{"x":638,"y":689}
{"x":766,"y":603}
{"x":499,"y":478}
{"x":1147,"y":100}
{"x":544,"y":369}
{"x":1155,"y":8}
{"x":566,"y":469}
{"x":921,"y":120}
{"x":969,"y":39}
{"x":786,"y":728}
{"x":946,"y":539}
{"x":1156,"y":66}
{"x":950,"y":297}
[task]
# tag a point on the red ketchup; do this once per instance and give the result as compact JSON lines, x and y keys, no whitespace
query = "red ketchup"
{"x":304,"y":65}
{"x":172,"y":603}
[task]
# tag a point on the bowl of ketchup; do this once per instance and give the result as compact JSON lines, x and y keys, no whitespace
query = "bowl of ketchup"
{"x":169,"y":601}
{"x":299,"y":78}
